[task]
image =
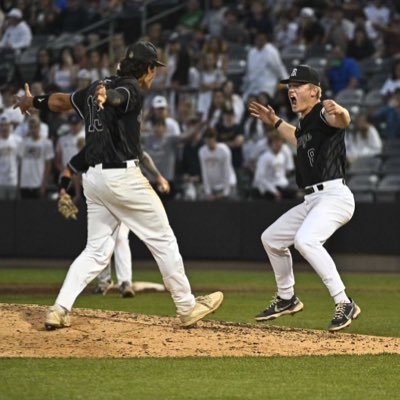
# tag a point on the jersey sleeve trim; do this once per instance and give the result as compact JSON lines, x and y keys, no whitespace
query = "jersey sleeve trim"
{"x":129,"y":96}
{"x":322,"y":116}
{"x":76,"y":106}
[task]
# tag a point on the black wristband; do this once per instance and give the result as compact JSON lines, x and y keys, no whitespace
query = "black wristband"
{"x":41,"y":102}
{"x":64,"y":183}
{"x":277,"y":123}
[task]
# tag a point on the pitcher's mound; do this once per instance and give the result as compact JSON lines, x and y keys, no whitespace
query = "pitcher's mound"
{"x":96,"y":333}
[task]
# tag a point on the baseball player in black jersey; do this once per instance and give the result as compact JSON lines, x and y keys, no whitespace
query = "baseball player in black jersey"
{"x":115,"y":189}
{"x":328,"y":202}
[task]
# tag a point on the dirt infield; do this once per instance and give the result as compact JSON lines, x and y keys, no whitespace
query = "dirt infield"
{"x":97,"y":333}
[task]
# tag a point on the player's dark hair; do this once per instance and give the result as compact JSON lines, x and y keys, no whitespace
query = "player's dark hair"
{"x":133,"y":68}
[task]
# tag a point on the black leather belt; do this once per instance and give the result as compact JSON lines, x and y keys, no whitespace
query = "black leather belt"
{"x":320,"y":187}
{"x":117,"y":165}
{"x":312,"y":190}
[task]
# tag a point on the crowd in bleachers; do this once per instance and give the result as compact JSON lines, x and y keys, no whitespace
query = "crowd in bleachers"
{"x":220,"y":55}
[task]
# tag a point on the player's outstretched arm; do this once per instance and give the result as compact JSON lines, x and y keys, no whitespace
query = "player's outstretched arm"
{"x":336,"y":115}
{"x":162,"y":183}
{"x":56,"y":102}
{"x":268,"y":116}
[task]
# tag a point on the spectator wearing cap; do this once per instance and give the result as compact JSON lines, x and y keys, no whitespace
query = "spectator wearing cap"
{"x":264,"y":68}
{"x":162,"y":148}
{"x":217,"y":173}
{"x":159,"y":110}
{"x":10,"y":148}
{"x":17,"y":35}
{"x":36,"y":160}
{"x":311,"y":32}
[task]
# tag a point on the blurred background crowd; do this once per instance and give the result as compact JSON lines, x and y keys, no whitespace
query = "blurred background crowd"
{"x":220,"y":55}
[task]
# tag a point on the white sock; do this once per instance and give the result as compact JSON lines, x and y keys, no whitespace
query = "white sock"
{"x":341,"y":298}
{"x":286,"y":294}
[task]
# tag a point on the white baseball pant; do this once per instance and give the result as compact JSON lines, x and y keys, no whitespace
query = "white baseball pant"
{"x":122,"y":259}
{"x":308,"y":226}
{"x":125,"y":195}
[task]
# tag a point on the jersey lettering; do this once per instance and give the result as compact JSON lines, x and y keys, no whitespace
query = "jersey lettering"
{"x":95,"y":124}
{"x":311,"y":155}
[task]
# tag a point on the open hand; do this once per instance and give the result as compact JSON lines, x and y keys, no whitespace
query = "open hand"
{"x":264,"y":113}
{"x":24,"y":103}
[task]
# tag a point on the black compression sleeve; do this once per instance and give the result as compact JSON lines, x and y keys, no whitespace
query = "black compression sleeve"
{"x":78,"y":162}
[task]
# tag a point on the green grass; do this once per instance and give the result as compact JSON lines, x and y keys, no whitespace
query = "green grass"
{"x":297,"y":378}
{"x":333,"y":377}
{"x":249,"y":292}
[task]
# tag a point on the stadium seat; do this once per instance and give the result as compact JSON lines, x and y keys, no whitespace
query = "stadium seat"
{"x":388,"y":189}
{"x":373,"y":66}
{"x":391,"y":166}
{"x":365,"y":165}
{"x":350,"y":97}
{"x":363,"y":187}
{"x":391,"y":148}
{"x":318,"y":63}
{"x":373,"y":98}
{"x":293,"y":55}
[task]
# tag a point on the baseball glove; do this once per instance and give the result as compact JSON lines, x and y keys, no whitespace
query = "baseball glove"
{"x":66,"y":207}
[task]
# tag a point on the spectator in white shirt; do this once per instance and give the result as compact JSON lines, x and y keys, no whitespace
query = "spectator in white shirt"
{"x":218,"y":175}
{"x":264,"y":68}
{"x":22,"y":130}
{"x":364,"y":141}
{"x":270,"y":180}
{"x":9,"y":155}
{"x":18,"y":34}
{"x":159,"y":110}
{"x":37,"y":155}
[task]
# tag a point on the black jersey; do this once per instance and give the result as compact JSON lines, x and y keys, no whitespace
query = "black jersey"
{"x":112,"y":134}
{"x":321,"y":151}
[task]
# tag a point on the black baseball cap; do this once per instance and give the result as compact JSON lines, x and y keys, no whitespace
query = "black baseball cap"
{"x":143,"y":51}
{"x":303,"y":74}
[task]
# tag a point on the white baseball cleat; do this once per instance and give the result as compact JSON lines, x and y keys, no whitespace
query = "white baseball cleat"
{"x":56,"y":318}
{"x":204,"y":305}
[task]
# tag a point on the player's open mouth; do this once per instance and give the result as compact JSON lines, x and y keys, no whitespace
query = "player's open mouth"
{"x":293,"y":100}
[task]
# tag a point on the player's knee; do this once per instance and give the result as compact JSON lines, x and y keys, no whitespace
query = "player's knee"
{"x":267,"y":238}
{"x":101,"y":249}
{"x":302,"y":243}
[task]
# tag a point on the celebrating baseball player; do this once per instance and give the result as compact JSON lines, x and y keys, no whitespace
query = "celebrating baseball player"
{"x":122,"y":253}
{"x":328,"y":202}
{"x":115,"y":188}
